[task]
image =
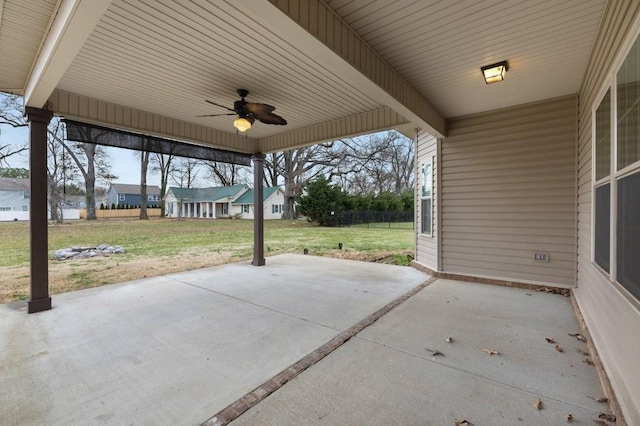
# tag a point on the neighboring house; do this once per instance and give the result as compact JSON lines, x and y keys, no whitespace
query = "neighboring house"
{"x":273,"y":198}
{"x":211,"y":202}
{"x":74,"y":201}
{"x":14,"y":194}
{"x":126,"y":194}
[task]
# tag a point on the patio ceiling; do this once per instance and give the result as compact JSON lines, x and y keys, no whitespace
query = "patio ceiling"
{"x":332,"y":69}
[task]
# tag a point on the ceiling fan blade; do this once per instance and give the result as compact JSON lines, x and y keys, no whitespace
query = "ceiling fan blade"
{"x":216,"y":115}
{"x":218,"y":105}
{"x":258,"y":109}
{"x":270,"y":119}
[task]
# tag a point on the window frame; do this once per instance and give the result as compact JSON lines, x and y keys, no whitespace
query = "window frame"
{"x":424,"y":197}
{"x":122,"y":197}
{"x":610,"y":84}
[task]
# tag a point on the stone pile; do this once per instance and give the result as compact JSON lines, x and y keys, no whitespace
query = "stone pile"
{"x":87,"y":252}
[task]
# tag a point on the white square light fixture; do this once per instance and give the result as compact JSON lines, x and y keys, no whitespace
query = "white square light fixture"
{"x":495,"y":72}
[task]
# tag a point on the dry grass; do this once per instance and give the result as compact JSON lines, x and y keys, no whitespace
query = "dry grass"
{"x":161,"y":246}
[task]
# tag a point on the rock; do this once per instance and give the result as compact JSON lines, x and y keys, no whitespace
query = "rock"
{"x":87,"y":252}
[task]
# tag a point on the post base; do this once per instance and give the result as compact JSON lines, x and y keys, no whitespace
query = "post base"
{"x":258,"y":262}
{"x":38,"y":305}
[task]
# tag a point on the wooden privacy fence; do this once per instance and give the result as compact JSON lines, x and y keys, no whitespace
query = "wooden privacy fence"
{"x":106,"y":214}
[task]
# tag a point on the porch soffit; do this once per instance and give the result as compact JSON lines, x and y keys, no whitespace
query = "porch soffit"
{"x":325,"y":65}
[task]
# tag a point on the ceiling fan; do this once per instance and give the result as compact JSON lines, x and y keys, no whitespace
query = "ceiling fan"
{"x":248,"y":112}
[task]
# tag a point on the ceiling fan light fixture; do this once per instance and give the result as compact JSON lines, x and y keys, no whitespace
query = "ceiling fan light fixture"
{"x":495,"y":72}
{"x":242,"y":124}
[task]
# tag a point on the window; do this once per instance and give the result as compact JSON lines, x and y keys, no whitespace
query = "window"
{"x":26,"y":195}
{"x":277,"y":208}
{"x":121,"y":197}
{"x":5,"y":209}
{"x":616,"y":189}
{"x":245,"y":208}
{"x":225,"y":208}
{"x":426,"y":205}
{"x":25,"y":208}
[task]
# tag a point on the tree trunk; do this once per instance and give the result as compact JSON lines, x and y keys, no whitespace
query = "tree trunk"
{"x":144,"y":163}
{"x":54,"y":201}
{"x":288,"y":211}
{"x":90,"y":180}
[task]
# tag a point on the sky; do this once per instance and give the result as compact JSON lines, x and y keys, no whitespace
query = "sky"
{"x":124,"y":163}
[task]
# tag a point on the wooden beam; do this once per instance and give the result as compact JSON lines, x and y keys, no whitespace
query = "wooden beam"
{"x":349,"y":55}
{"x":72,"y":25}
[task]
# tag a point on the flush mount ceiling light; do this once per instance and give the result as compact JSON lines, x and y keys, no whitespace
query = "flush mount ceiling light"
{"x":495,"y":72}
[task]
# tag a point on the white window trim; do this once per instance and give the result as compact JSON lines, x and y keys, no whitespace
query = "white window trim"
{"x":610,"y":82}
{"x":430,"y":197}
{"x":121,"y":197}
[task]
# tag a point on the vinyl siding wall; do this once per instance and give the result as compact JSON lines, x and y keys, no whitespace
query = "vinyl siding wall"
{"x":508,"y":192}
{"x":612,"y":319}
{"x":426,"y":246}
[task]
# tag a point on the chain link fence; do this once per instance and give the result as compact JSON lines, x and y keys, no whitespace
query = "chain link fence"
{"x":373,"y":219}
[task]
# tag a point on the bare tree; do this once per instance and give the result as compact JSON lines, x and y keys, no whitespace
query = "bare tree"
{"x":11,"y":115}
{"x":186,"y":172}
{"x":144,"y":165}
{"x":60,"y":170}
{"x":93,"y":163}
{"x":163,"y":164}
{"x":227,"y":174}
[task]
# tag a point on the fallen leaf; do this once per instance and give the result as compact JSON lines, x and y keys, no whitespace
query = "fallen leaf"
{"x":559,"y":348}
{"x":537,"y":404}
{"x":608,"y":417}
{"x":588,"y":361}
{"x":585,"y":353}
{"x":435,"y":352}
{"x":569,"y":417}
{"x":491,"y":351}
{"x":600,"y":423}
{"x":602,"y":399}
{"x":449,"y":339}
{"x":463,"y":422}
{"x":578,"y":336}
{"x":549,"y":340}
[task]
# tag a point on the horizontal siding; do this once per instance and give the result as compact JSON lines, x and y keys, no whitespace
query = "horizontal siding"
{"x":426,"y":246}
{"x":612,"y":320}
{"x":508,"y":191}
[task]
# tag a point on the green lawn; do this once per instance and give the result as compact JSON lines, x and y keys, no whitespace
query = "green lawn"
{"x":159,"y":246}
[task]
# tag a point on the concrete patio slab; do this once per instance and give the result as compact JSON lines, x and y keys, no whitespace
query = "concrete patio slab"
{"x":179,"y":348}
{"x":388,"y":375}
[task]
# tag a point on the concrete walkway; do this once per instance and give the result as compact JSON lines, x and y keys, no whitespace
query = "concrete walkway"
{"x":389,"y":375}
{"x":179,"y":348}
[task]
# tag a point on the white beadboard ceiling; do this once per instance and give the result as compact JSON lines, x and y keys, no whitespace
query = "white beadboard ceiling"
{"x":167,"y":56}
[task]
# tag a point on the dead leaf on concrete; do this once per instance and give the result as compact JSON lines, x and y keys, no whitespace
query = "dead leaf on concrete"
{"x":588,"y":361}
{"x":463,"y":422}
{"x":559,"y":348}
{"x":549,"y":340}
{"x":569,"y":417}
{"x":578,"y":336}
{"x":491,"y":351}
{"x":608,"y":417}
{"x":602,"y":399}
{"x":600,"y":423}
{"x":435,"y":352}
{"x":537,"y":404}
{"x":585,"y":353}
{"x":449,"y":340}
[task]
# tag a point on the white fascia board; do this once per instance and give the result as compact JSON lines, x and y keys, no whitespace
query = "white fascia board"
{"x":70,"y":29}
{"x":422,"y":113}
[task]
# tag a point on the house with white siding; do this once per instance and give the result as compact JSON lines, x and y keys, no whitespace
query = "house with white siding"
{"x":213,"y":202}
{"x":273,"y":196}
{"x":14,"y":199}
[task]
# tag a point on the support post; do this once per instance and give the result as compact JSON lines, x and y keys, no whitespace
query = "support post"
{"x":258,"y":214}
{"x":39,"y":299}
